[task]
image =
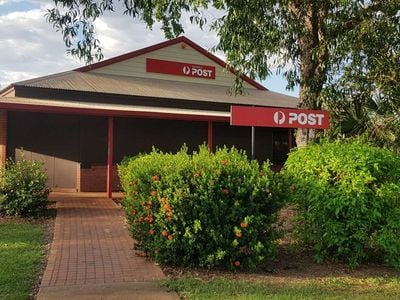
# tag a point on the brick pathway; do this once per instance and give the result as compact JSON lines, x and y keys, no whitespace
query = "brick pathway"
{"x":92,"y":245}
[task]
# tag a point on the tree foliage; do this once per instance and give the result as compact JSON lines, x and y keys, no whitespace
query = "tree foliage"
{"x":365,"y":83}
{"x":346,"y":197}
{"x":330,"y":48}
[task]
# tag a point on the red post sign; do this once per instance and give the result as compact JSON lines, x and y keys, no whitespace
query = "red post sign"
{"x":279,"y":117}
{"x":179,"y":68}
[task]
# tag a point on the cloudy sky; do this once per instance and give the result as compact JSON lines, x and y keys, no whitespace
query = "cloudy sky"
{"x":29,"y":47}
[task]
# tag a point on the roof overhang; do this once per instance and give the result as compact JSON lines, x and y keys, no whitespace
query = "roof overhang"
{"x":81,"y":82}
{"x":102,"y":109}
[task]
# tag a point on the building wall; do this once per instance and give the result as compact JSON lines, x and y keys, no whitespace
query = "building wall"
{"x":3,"y":137}
{"x":137,"y":66}
{"x":94,"y":179}
{"x":82,"y":140}
{"x":44,"y":133}
{"x":131,"y":137}
{"x":134,"y":136}
{"x":93,"y":140}
{"x":52,"y":139}
{"x":240,"y":137}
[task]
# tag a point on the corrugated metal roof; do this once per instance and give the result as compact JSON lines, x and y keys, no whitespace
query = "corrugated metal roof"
{"x":83,"y":106}
{"x":156,"y":88}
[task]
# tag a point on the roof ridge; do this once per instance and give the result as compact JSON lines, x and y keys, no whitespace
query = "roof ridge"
{"x":33,"y":80}
{"x":164,"y":44}
{"x":42,"y":78}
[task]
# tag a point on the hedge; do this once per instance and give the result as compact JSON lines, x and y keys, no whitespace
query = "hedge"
{"x":348,"y":199}
{"x":23,"y":190}
{"x":205,"y":209}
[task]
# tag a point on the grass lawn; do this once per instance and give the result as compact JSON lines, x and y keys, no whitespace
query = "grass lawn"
{"x":21,"y":253}
{"x":286,"y":288}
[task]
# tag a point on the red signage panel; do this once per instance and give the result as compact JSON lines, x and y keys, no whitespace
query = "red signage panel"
{"x":279,"y":117}
{"x":179,"y":68}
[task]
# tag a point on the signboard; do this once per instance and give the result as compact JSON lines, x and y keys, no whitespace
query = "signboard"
{"x":279,"y":117}
{"x":179,"y":68}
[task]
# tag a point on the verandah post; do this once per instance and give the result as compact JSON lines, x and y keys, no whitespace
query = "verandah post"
{"x":3,"y":138}
{"x":210,"y":136}
{"x":110,"y":149}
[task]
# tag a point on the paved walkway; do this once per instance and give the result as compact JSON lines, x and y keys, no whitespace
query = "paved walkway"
{"x":92,"y":256}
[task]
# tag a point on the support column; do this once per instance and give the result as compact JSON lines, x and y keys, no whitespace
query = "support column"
{"x":110,"y":155}
{"x":210,"y":136}
{"x":3,"y":138}
{"x":290,"y":139}
{"x":253,"y":137}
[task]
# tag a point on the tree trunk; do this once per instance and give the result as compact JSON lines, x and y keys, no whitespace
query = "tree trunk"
{"x":306,"y":101}
{"x":312,"y":69}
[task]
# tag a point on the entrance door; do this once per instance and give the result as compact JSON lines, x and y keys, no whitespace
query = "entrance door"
{"x":281,"y":146}
{"x":62,"y":173}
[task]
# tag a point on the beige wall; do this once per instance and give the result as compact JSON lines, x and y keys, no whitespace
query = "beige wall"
{"x":3,"y":137}
{"x":180,"y":52}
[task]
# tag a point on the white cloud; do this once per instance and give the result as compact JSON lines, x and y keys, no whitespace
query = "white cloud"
{"x":4,"y":2}
{"x":30,"y":47}
{"x":119,"y":33}
{"x":18,"y":76}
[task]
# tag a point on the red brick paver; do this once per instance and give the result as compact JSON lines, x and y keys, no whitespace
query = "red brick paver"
{"x":92,"y":245}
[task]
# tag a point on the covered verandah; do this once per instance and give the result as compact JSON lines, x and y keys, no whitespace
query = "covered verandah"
{"x":75,"y":120}
{"x":110,"y":113}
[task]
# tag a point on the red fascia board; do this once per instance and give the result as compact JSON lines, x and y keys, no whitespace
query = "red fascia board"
{"x":163,"y":45}
{"x":109,"y":113}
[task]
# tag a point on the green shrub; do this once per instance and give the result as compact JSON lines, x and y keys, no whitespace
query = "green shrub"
{"x":203,"y":209}
{"x":23,"y":189}
{"x":347,"y":194}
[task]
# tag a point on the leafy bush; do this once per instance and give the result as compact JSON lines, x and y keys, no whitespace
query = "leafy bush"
{"x":23,"y":189}
{"x":203,"y":209}
{"x":347,"y":193}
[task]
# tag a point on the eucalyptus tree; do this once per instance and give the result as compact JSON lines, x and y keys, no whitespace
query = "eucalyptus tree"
{"x":311,"y":42}
{"x":365,"y":82}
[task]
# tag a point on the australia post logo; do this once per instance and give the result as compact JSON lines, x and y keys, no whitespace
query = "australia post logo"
{"x":180,"y":68}
{"x":279,"y":117}
{"x":199,"y":71}
{"x":299,"y":118}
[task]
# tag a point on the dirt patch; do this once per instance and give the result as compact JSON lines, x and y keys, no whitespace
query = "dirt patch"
{"x":291,"y":266}
{"x":292,"y":263}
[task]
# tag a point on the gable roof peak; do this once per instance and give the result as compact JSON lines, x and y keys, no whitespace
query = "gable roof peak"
{"x":167,"y":43}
